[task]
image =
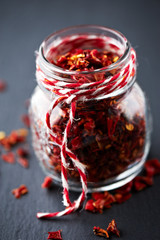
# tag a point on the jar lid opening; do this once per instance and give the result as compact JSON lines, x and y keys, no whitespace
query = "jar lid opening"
{"x":84,"y":36}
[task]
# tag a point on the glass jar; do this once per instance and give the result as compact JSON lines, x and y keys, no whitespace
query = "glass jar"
{"x":109,"y":133}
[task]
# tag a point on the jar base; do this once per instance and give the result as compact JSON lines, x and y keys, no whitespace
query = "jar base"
{"x":109,"y":184}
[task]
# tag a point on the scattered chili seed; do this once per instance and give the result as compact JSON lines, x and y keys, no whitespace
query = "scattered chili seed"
{"x":100,"y":232}
{"x":23,"y":162}
{"x":55,"y":235}
{"x":129,"y":127}
{"x":47,"y":182}
{"x":2,"y":135}
{"x":25,"y":119}
{"x":8,"y":157}
{"x":18,"y":192}
{"x":112,"y":227}
{"x":3,"y":85}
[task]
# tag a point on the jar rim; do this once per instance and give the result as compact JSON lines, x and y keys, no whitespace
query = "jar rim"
{"x":60,"y":70}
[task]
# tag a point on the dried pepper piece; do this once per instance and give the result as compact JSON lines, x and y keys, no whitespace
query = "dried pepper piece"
{"x":15,"y":137}
{"x":47,"y":182}
{"x":112,"y":227}
{"x":152,"y":167}
{"x":22,"y":152}
{"x":23,"y":162}
{"x":141,"y":182}
{"x":100,"y":232}
{"x":120,"y":198}
{"x":89,"y":206}
{"x":55,"y":235}
{"x":18,"y":192}
{"x":3,"y":85}
{"x":8,"y":157}
{"x":100,"y":201}
{"x":84,"y":60}
{"x":125,"y":189}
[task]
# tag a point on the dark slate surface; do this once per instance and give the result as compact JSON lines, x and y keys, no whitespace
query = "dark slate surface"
{"x":23,"y":25}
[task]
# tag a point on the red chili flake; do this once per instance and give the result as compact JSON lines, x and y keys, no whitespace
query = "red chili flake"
{"x":16,"y":136}
{"x":97,"y":195}
{"x":100,"y":232}
{"x":99,"y":205}
{"x":3,"y":85}
{"x":109,"y":198}
{"x":112,"y":227}
{"x":89,"y":206}
{"x":18,"y":192}
{"x":8,"y":157}
{"x":25,"y":119}
{"x":141,"y":182}
{"x":100,"y":201}
{"x":125,"y":189}
{"x":152,"y":167}
{"x":120,"y":198}
{"x":76,"y":142}
{"x":90,"y":124}
{"x":47,"y":182}
{"x":111,"y":126}
{"x":23,"y":162}
{"x":84,"y":60}
{"x":55,"y":235}
{"x":22,"y":152}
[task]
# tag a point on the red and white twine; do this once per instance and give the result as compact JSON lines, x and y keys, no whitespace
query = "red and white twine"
{"x":70,"y":93}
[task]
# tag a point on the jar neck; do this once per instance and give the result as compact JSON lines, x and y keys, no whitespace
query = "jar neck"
{"x":109,"y":81}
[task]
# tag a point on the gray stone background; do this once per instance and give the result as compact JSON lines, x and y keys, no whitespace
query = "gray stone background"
{"x":23,"y":26}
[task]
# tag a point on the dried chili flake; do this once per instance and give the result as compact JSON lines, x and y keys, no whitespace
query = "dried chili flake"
{"x":26,"y":120}
{"x":99,"y":205}
{"x":97,"y":195}
{"x":8,"y":157}
{"x":141,"y":182}
{"x":84,"y":60}
{"x":16,"y":136}
{"x":125,"y":189}
{"x":18,"y":192}
{"x":112,"y":227}
{"x":100,"y":232}
{"x":152,"y":167}
{"x":3,"y":85}
{"x":99,"y":202}
{"x":120,"y":198}
{"x":47,"y":182}
{"x":89,"y":206}
{"x":23,"y":162}
{"x":55,"y":235}
{"x":22,"y":152}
